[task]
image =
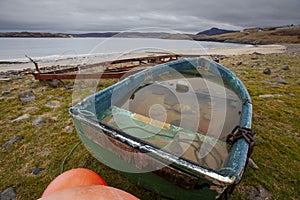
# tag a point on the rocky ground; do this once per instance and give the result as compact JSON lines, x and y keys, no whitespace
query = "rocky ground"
{"x":36,"y":131}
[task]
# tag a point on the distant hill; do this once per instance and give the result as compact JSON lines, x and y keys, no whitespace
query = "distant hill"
{"x":104,"y":34}
{"x":271,"y":35}
{"x":32,"y":34}
{"x":215,"y":31}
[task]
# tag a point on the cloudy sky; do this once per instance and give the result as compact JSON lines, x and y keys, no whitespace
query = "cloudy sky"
{"x":122,"y":15}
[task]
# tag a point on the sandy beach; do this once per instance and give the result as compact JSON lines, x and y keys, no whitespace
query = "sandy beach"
{"x":261,"y":49}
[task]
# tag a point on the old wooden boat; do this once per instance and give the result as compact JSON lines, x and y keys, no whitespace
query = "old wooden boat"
{"x":181,"y":129}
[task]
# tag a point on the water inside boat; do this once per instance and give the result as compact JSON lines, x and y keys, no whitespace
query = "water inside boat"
{"x":187,"y":114}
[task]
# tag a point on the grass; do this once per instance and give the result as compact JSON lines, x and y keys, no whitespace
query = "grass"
{"x":276,"y":121}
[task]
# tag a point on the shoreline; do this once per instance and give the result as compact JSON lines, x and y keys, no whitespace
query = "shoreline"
{"x":260,"y":49}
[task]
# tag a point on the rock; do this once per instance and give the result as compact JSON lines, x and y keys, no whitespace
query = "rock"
{"x":5,"y":79}
{"x":239,"y":63}
{"x":259,"y":193}
{"x":1,"y":98}
{"x":40,"y":90}
{"x":54,"y":119}
{"x":267,"y":71}
{"x":8,"y":194}
{"x":257,"y":53}
{"x":53,"y":104}
{"x":55,"y":83}
{"x":243,"y":73}
{"x":182,"y":108}
{"x":269,"y":95}
{"x":68,"y":129}
{"x":38,"y":122}
{"x":285,"y":68}
{"x":36,"y":171}
{"x":30,"y":109}
{"x":45,"y":152}
{"x":282,"y":81}
{"x":266,"y":96}
{"x":26,"y":97}
{"x":252,"y":164}
{"x":69,"y":87}
{"x":6,"y":93}
{"x":25,"y":116}
{"x":11,"y":141}
{"x":182,"y":86}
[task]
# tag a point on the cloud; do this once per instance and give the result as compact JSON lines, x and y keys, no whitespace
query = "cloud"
{"x":120,"y":15}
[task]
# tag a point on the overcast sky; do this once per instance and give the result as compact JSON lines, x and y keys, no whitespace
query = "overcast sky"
{"x":122,"y":15}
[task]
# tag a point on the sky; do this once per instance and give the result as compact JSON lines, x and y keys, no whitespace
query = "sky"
{"x":187,"y":16}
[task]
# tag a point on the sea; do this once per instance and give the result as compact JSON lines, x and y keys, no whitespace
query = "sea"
{"x":72,"y":50}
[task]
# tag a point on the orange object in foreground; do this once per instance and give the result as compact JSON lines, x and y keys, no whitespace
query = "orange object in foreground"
{"x":74,"y":178}
{"x":92,"y":192}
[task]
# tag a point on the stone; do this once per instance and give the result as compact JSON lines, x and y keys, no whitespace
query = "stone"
{"x":285,"y":68}
{"x":243,"y":73}
{"x":30,"y":109}
{"x":53,"y":104}
{"x":239,"y":63}
{"x":277,"y":95}
{"x":269,"y":95}
{"x":25,"y":116}
{"x":11,"y":141}
{"x":38,"y":122}
{"x":182,"y":108}
{"x":36,"y":171}
{"x":252,"y":164}
{"x":55,"y":83}
{"x":282,"y":81}
{"x":68,"y":129}
{"x":26,"y":97}
{"x":267,"y":71}
{"x":182,"y":86}
{"x":40,"y":90}
{"x":259,"y":193}
{"x":266,"y":96}
{"x":69,"y":87}
{"x":8,"y":194}
{"x":5,"y":79}
{"x":257,"y":53}
{"x":6,"y":93}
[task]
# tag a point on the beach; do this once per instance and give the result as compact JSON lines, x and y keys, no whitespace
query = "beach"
{"x":90,"y":59}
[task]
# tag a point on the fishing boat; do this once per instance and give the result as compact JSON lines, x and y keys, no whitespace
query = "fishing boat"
{"x":180,"y":129}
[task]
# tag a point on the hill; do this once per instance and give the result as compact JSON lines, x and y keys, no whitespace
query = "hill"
{"x":287,"y":34}
{"x":215,"y":31}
